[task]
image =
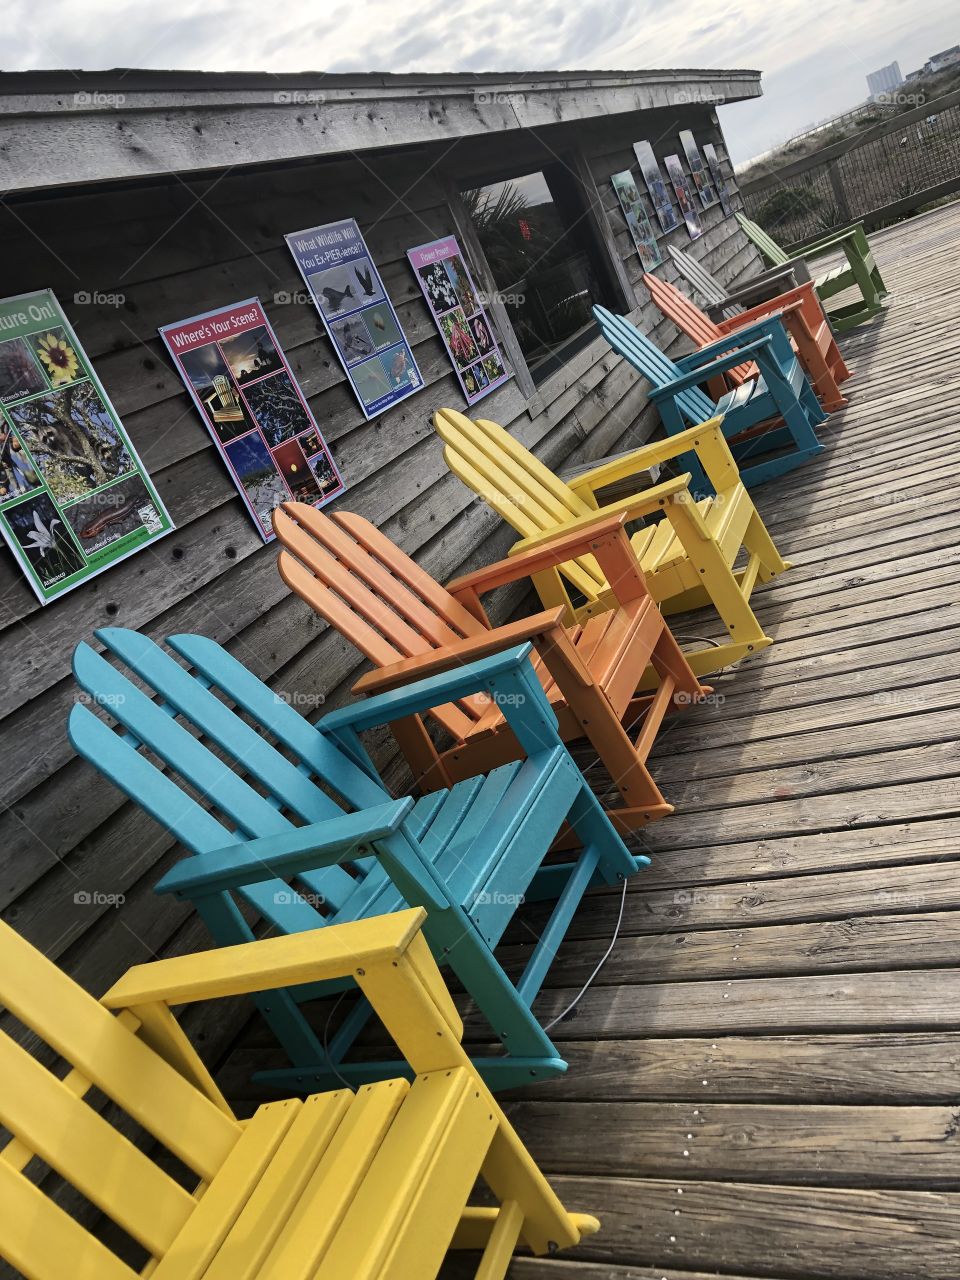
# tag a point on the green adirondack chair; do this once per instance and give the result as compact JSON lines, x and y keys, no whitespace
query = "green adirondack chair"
{"x":860,"y":271}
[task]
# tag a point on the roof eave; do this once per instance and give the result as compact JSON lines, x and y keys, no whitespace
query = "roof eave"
{"x":102,"y":132}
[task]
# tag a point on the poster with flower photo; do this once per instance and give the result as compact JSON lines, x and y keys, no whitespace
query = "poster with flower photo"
{"x":249,"y":400}
{"x":455,"y":304}
{"x":698,"y":170}
{"x":359,"y":317}
{"x":638,"y":224}
{"x":74,"y":497}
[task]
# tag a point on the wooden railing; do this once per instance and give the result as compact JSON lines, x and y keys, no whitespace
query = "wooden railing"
{"x":876,"y":176}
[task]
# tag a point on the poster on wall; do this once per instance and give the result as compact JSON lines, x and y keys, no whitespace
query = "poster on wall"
{"x":684,"y":195}
{"x":719,"y":181}
{"x":656,"y":186}
{"x":698,"y":170}
{"x":464,"y":325}
{"x":637,"y":221}
{"x":247,"y":396}
{"x":359,"y":317}
{"x":74,"y":496}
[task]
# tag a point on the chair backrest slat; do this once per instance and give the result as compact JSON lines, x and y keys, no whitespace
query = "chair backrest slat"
{"x":177,"y":748}
{"x":706,"y":284}
{"x":88,"y":1152}
{"x":239,"y":810}
{"x":516,"y":484}
{"x":649,"y":361}
{"x":112,"y":1058}
{"x":374,"y":594}
{"x":43,"y":1241}
{"x":695,"y":323}
{"x":764,"y":242}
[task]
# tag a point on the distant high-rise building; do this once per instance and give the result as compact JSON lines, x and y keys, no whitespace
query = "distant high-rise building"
{"x":940,"y":60}
{"x":886,"y":80}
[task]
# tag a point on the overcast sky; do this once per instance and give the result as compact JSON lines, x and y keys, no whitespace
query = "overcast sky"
{"x":814,"y":54}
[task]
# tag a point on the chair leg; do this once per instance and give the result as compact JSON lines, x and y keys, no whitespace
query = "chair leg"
{"x":670,"y":662}
{"x":817,"y":366}
{"x":757,"y":541}
{"x":720,"y":583}
{"x":642,"y":798}
{"x":493,"y":993}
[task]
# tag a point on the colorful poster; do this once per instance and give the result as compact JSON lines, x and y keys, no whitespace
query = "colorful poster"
{"x":719,"y":181}
{"x":637,"y":220}
{"x":239,"y":379}
{"x":74,"y":497}
{"x":359,"y":317}
{"x":684,"y":195}
{"x":701,"y":179}
{"x":656,"y":186}
{"x":464,"y":325}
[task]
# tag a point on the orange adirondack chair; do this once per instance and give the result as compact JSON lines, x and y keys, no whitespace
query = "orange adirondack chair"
{"x":803,"y":318}
{"x":411,"y":628}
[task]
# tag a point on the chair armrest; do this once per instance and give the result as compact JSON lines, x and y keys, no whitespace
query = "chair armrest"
{"x":771,"y":282}
{"x":386,"y":956}
{"x":317,"y":955}
{"x":441,"y":676}
{"x":629,"y":508}
{"x":823,"y":244}
{"x":287,"y":853}
{"x":775,"y":309}
{"x":565,"y":542}
{"x":507,"y":678}
{"x":751,"y":332}
{"x":653,"y":454}
{"x":749,"y":351}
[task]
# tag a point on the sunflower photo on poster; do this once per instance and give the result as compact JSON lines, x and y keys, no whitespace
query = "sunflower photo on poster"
{"x":74,"y":496}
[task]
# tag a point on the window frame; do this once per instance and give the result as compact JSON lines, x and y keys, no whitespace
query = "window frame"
{"x":538,"y":392}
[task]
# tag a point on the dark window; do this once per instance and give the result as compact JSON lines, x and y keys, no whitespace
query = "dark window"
{"x":545,"y":260}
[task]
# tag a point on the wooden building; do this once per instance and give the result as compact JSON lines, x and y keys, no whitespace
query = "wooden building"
{"x":143,"y":198}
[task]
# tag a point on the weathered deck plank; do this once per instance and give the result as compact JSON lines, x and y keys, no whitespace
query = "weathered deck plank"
{"x":786,"y":987}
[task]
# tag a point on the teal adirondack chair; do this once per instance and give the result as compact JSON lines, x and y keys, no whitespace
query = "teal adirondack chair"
{"x":779,"y":396}
{"x":270,"y":833}
{"x":860,"y":271}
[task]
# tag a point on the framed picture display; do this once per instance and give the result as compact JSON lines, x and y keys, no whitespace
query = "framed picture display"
{"x":359,"y":318}
{"x":684,"y":196}
{"x":457,"y":308}
{"x":638,"y":223}
{"x":657,"y":187}
{"x":702,"y":180}
{"x":75,"y":498}
{"x":719,"y":181}
{"x":250,"y":402}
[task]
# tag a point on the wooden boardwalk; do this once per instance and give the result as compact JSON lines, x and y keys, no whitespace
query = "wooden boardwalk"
{"x":765,"y":1077}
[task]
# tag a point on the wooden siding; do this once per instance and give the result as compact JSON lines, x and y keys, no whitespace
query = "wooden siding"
{"x":177,"y":248}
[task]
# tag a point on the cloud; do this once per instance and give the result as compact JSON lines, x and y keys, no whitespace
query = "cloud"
{"x":814,"y":53}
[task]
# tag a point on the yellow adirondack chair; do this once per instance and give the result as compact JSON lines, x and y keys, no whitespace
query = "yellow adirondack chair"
{"x":339,"y":1186}
{"x":687,"y":557}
